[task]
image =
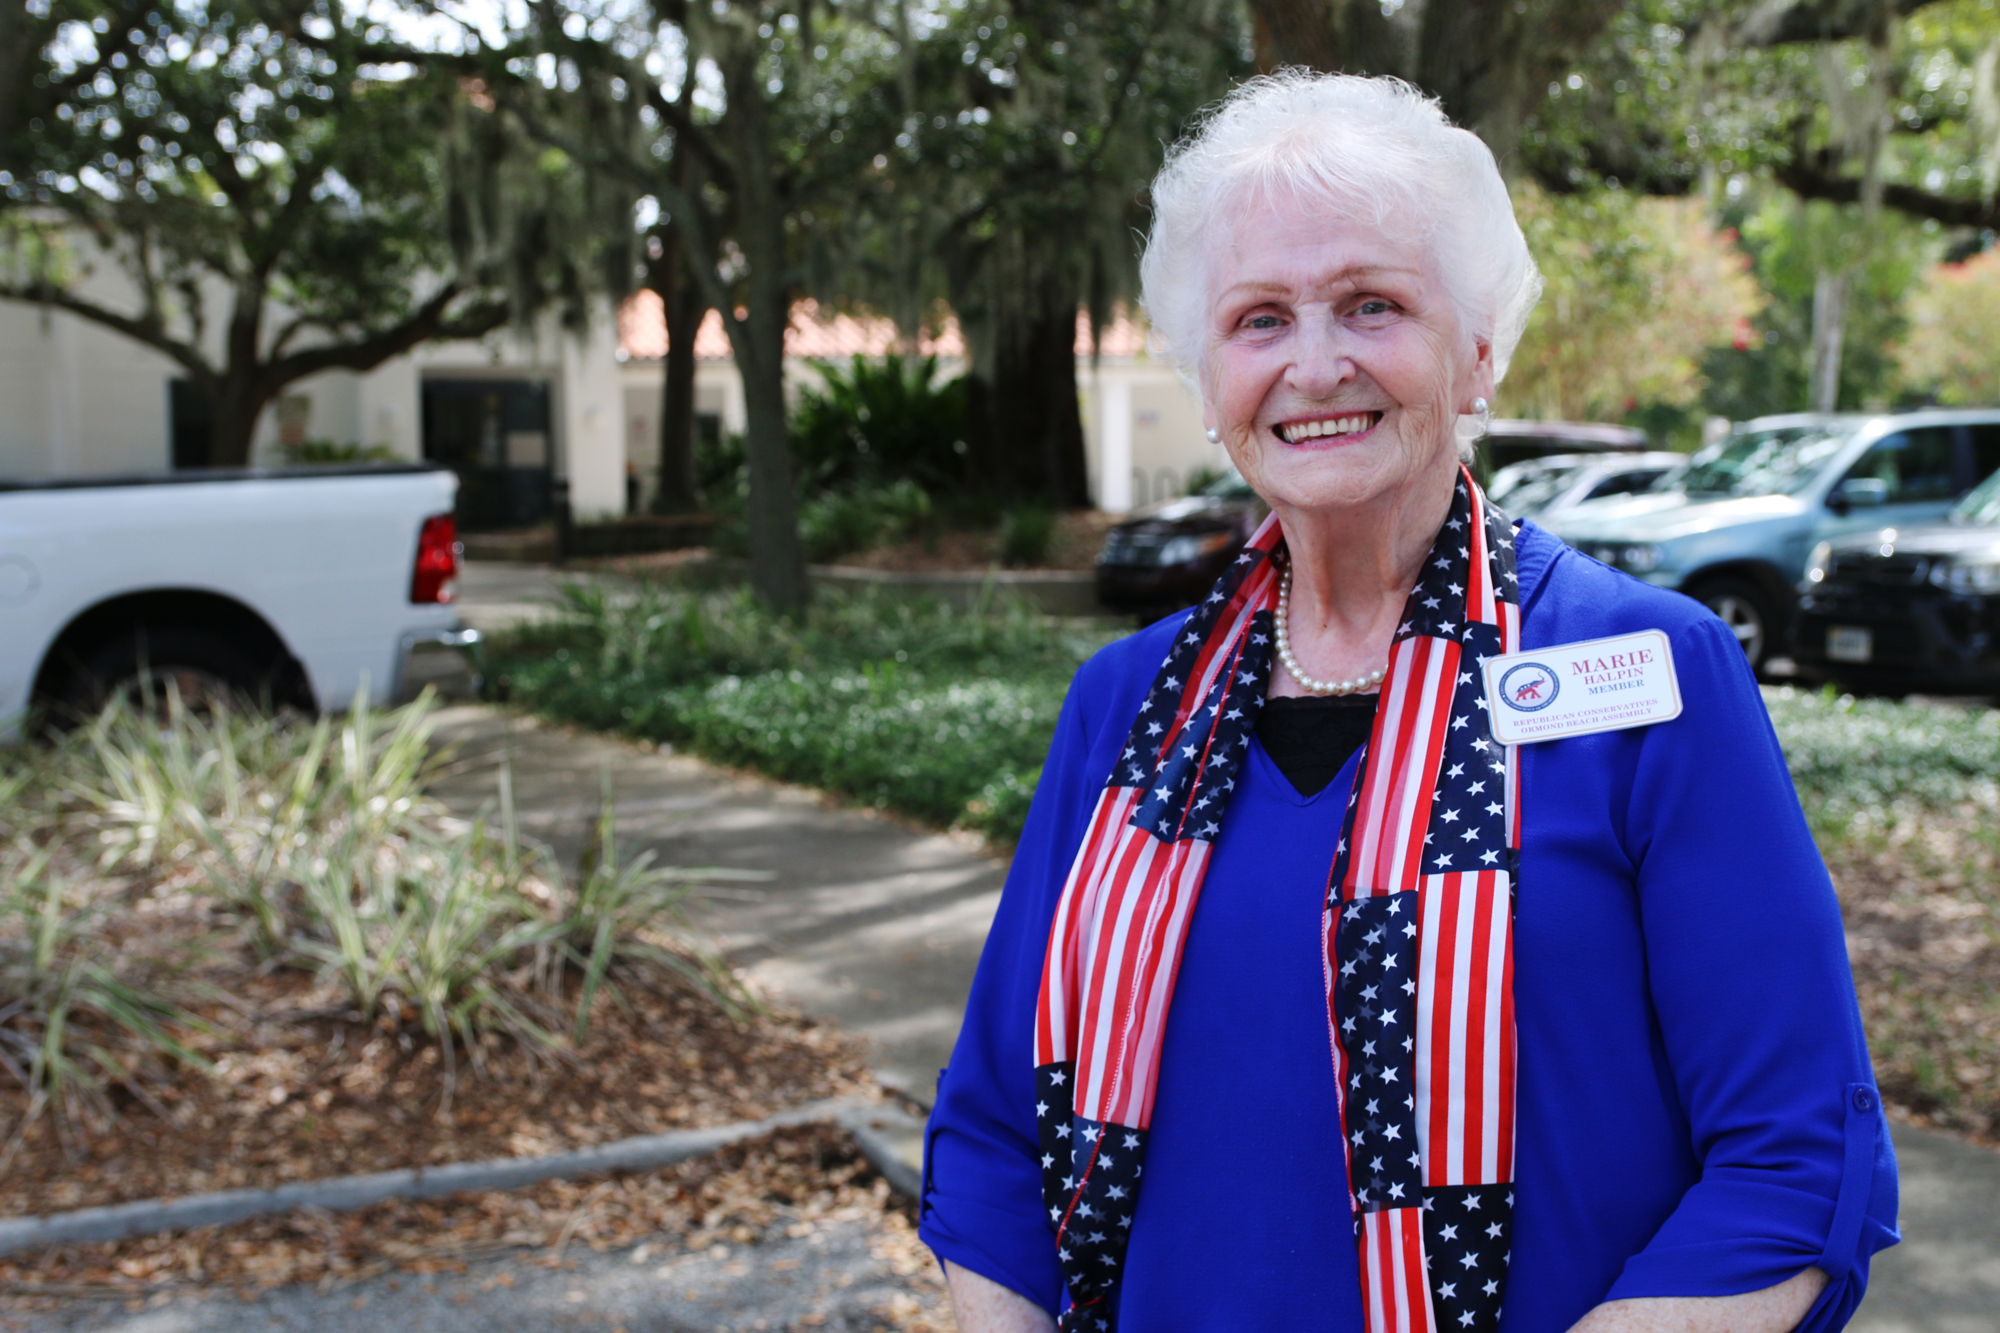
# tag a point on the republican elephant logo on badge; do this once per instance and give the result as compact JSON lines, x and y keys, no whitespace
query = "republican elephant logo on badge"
{"x":1529,"y":687}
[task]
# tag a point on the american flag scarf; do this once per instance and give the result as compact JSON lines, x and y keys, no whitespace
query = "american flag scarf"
{"x":1417,"y":940}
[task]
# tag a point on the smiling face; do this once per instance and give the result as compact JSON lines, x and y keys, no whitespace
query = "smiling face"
{"x":1336,"y":365}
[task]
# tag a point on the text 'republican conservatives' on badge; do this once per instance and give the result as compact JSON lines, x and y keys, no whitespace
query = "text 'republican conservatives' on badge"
{"x":1577,"y":688}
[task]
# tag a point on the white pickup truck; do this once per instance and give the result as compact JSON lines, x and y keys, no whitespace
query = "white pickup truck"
{"x":304,"y":586}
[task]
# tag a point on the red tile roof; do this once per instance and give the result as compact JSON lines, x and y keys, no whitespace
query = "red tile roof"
{"x":642,"y":334}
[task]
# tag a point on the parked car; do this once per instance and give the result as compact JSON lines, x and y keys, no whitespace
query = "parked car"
{"x":1906,"y":608}
{"x":301,"y":585}
{"x":1733,"y":528}
{"x":1508,"y":441}
{"x":1543,"y":487}
{"x":1169,"y":556}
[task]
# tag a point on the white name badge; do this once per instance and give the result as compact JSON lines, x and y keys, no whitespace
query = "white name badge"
{"x":1574,"y":689}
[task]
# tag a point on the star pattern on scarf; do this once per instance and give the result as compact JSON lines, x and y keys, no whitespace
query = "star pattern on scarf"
{"x":1184,"y":752}
{"x":1090,"y":1184}
{"x":1376,"y":945}
{"x":1468,"y":1241}
{"x":1468,"y":825}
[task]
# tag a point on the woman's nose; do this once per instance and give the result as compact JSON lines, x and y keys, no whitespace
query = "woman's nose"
{"x":1320,"y":362}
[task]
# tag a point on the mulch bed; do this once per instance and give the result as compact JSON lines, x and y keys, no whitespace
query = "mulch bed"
{"x":1922,"y":911}
{"x":785,"y":1184}
{"x":300,"y":1095}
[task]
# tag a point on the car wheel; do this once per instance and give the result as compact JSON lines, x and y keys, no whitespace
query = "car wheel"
{"x":143,"y":666}
{"x":1744,"y":608}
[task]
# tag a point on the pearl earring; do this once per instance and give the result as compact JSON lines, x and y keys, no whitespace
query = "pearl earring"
{"x":1480,"y":407}
{"x":1215,"y":436}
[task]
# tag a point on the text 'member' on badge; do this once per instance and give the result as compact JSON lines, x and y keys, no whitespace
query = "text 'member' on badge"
{"x":1574,"y":689}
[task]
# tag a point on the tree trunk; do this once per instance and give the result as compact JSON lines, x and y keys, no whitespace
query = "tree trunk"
{"x":1035,"y":429}
{"x":1828,"y":335}
{"x":237,"y":407}
{"x":777,"y":560}
{"x":683,"y":309}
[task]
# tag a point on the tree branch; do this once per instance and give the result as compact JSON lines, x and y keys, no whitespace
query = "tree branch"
{"x":429,"y":323}
{"x":139,"y":330}
{"x":1813,"y":179}
{"x":685,"y":130}
{"x":1784,"y":22}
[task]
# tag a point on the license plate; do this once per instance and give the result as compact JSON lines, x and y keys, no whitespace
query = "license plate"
{"x":1849,"y":643}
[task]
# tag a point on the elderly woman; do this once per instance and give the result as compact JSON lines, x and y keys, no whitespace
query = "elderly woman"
{"x":1422,"y":934}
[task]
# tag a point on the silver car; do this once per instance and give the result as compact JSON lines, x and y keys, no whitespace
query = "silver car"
{"x":1544,"y":487}
{"x":1734,"y":527}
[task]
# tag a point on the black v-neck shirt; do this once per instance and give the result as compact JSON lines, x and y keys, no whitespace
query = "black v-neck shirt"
{"x":1310,"y":738}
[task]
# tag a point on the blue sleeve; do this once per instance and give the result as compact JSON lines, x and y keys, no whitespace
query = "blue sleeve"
{"x":982,"y":1196}
{"x":1749,"y":977}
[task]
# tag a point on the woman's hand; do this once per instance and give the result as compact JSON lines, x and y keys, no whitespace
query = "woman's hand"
{"x":1773,"y":1310}
{"x":984,"y":1306}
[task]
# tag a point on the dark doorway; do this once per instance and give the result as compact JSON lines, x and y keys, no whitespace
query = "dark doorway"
{"x":190,"y":424}
{"x":495,"y":435}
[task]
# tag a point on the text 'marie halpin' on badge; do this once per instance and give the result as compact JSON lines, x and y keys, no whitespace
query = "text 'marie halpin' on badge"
{"x":1574,"y":689}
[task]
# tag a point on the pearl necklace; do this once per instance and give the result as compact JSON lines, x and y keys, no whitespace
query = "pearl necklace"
{"x":1308,"y":683}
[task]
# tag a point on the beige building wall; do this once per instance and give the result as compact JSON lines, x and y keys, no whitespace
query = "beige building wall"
{"x":1142,"y":433}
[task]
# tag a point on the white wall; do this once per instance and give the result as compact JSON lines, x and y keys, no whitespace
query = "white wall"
{"x":589,"y":404}
{"x":1142,"y":421}
{"x":78,"y":400}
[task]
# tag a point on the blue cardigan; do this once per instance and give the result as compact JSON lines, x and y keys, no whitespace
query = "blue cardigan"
{"x":1696,"y":1112}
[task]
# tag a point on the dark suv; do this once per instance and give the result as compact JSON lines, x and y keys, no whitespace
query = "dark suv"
{"x":1908,"y":607}
{"x":1169,"y":556}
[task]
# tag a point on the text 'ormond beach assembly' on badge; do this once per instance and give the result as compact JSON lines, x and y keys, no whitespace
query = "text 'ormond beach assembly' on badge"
{"x":1577,"y":688}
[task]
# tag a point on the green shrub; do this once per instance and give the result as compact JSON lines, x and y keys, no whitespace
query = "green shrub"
{"x":882,"y":421}
{"x":861,"y":517}
{"x":1025,"y":536}
{"x":312,"y":453}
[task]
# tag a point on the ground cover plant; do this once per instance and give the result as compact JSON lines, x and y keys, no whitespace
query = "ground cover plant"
{"x":1905,"y":803}
{"x":945,"y":716}
{"x":239,"y":949}
{"x":906,"y":704}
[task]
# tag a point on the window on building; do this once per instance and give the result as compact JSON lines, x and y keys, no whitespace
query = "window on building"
{"x":190,"y":424}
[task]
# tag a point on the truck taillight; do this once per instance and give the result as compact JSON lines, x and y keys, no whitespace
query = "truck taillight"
{"x":436,"y":576}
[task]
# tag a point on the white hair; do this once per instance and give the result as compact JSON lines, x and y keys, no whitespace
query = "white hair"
{"x":1372,"y":148}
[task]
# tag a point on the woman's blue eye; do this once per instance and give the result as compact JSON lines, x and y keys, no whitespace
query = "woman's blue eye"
{"x":1374,"y":307}
{"x":1263,"y":321}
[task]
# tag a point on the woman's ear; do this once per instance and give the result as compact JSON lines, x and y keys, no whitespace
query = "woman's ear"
{"x":1479,"y":380}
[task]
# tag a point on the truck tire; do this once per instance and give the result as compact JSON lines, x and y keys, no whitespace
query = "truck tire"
{"x":202,"y":666}
{"x":1746,"y":610}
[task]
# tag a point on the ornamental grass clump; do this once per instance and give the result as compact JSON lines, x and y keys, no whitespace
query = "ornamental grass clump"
{"x":84,"y":1006}
{"x":162,"y":860}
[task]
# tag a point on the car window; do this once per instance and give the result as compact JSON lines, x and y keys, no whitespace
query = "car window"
{"x":1535,"y":487}
{"x":1985,"y":449}
{"x":1915,"y":464}
{"x":1981,"y":504}
{"x":1516,"y":475}
{"x":1625,"y":483}
{"x":1229,"y":486}
{"x":1778,"y":461}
